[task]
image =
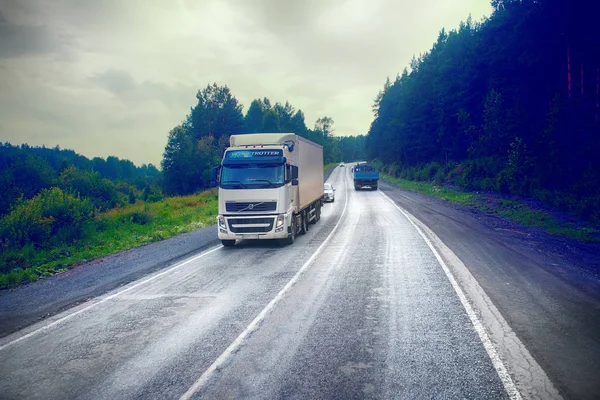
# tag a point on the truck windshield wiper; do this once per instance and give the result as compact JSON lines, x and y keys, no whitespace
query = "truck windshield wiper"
{"x":238,"y":182}
{"x":264,"y":180}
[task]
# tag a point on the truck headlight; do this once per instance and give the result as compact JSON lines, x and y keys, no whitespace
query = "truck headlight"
{"x":221,"y":220}
{"x":279,"y":222}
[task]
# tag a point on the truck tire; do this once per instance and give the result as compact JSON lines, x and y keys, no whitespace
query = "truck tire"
{"x":292,"y":236}
{"x":375,"y":187}
{"x":228,"y":242}
{"x":304,"y":223}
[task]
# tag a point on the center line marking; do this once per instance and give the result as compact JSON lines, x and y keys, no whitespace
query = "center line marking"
{"x":201,"y":381}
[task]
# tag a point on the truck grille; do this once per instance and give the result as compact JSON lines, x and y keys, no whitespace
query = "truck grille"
{"x":236,"y":225}
{"x":254,"y":206}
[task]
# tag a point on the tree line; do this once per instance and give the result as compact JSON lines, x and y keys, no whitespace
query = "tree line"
{"x":510,"y":104}
{"x":27,"y":170}
{"x":197,"y":145}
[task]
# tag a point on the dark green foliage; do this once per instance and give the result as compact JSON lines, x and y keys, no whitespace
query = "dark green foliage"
{"x":271,"y":122}
{"x":187,"y":162}
{"x":22,"y":176}
{"x":26,"y":170}
{"x":51,"y":217}
{"x":254,"y":117}
{"x":216,"y":114}
{"x":490,"y":107}
{"x":100,"y":191}
{"x":152,"y":194}
{"x":136,"y":217}
{"x":197,"y":146}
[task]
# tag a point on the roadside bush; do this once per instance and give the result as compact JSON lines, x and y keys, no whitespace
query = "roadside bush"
{"x":393,"y":169}
{"x":137,"y":217}
{"x":429,"y":171}
{"x":378,"y":164}
{"x":51,"y":216}
{"x":100,"y":191}
{"x":440,"y":177}
{"x":152,"y":194}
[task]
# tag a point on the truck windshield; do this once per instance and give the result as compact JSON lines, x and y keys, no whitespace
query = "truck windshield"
{"x":252,"y":176}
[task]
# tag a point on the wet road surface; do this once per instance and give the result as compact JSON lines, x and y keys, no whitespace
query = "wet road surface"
{"x":359,"y":307}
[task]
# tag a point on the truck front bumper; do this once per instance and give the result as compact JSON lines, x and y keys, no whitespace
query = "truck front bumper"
{"x":232,"y":227}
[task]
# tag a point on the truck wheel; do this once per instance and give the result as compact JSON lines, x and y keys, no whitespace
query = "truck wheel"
{"x":228,"y":242}
{"x":292,"y":236}
{"x":304,"y":223}
{"x":318,"y":212}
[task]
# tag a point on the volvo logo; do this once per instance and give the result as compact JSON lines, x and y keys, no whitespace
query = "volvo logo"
{"x":250,"y":206}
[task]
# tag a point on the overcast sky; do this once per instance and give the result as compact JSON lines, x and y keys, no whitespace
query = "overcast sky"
{"x":112,"y":77}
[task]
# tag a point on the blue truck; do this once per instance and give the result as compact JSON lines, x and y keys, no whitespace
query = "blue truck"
{"x":365,"y":176}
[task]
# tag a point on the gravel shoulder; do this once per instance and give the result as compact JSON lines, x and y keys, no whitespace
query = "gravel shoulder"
{"x":27,"y":304}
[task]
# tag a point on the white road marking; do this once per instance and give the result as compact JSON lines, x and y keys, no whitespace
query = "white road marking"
{"x":233,"y":347}
{"x":507,"y":381}
{"x":105,"y":299}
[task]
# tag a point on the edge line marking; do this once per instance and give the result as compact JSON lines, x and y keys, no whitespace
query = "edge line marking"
{"x":501,"y":370}
{"x":105,"y":299}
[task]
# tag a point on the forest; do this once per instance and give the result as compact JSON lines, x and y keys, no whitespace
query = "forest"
{"x":509,"y":104}
{"x":27,"y":170}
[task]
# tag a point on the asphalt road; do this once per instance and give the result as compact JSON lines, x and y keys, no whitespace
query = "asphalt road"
{"x":368,"y":304}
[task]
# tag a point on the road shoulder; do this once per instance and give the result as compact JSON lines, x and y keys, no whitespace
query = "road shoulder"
{"x":27,"y":304}
{"x":547,"y":299}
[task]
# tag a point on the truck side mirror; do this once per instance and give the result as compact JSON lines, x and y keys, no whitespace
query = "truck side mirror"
{"x":213,"y":176}
{"x":294,"y":182}
{"x":294,"y":173}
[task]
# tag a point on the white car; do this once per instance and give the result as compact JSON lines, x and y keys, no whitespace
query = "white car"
{"x":329,"y":192}
{"x":342,"y":165}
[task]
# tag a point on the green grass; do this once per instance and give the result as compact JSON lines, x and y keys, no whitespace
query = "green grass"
{"x":431,"y":190}
{"x":330,"y":165}
{"x":117,"y":230}
{"x":510,"y":209}
{"x":527,"y":216}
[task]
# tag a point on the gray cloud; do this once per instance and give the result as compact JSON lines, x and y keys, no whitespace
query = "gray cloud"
{"x":115,"y":81}
{"x":112,"y":77}
{"x":23,"y":35}
{"x":21,"y":40}
{"x":123,"y":85}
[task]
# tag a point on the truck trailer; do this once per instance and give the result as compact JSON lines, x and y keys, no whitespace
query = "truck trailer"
{"x":270,"y":187}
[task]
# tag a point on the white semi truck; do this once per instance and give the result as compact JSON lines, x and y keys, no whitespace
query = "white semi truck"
{"x":270,"y":187}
